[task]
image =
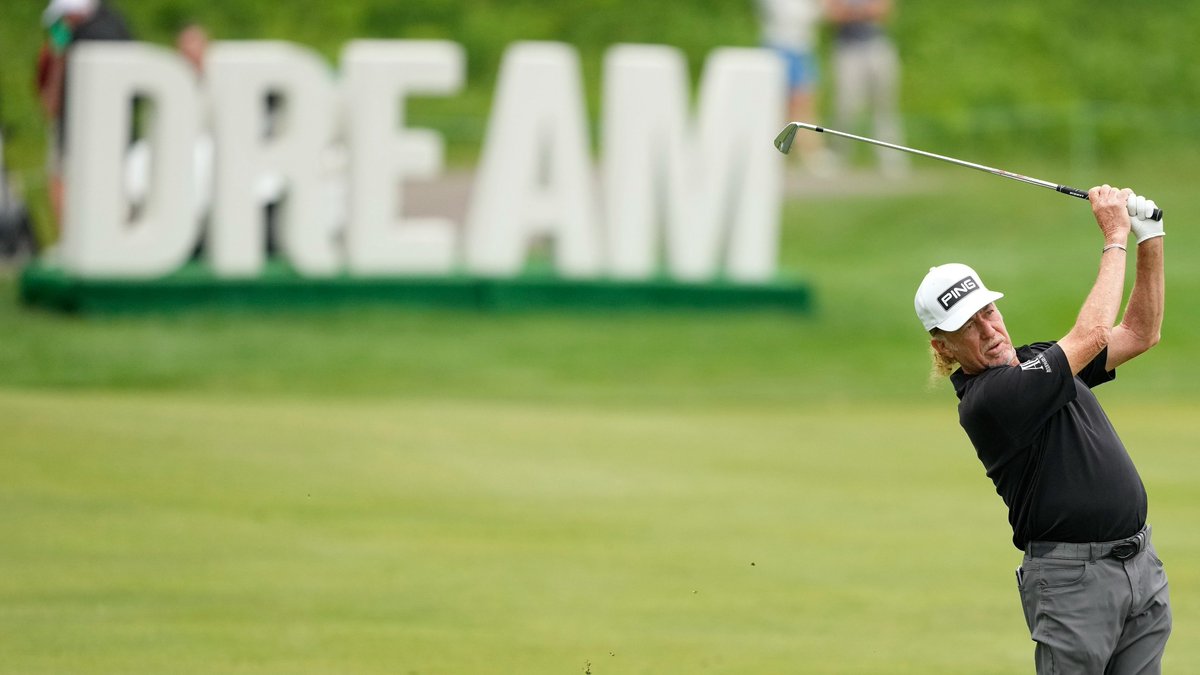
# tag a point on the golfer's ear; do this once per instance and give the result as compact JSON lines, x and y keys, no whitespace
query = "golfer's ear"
{"x":939,"y":345}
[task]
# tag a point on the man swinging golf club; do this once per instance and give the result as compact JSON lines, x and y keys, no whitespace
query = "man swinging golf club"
{"x":1092,"y":587}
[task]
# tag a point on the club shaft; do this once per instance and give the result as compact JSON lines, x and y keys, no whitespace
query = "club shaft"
{"x":931,"y":155}
{"x":1064,"y":189}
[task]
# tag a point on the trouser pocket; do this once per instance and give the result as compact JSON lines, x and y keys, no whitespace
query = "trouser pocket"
{"x":1048,"y":583}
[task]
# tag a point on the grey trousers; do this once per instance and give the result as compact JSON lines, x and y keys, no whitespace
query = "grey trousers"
{"x":1090,"y":612}
{"x":866,"y":77}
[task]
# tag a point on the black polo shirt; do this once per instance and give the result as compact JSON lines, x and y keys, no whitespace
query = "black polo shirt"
{"x":1050,"y":450}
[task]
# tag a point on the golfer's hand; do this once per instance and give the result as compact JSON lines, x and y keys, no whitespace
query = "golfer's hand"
{"x":1110,"y":207}
{"x":1140,"y":210}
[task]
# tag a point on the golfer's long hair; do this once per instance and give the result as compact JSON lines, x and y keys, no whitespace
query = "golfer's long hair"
{"x":942,"y":365}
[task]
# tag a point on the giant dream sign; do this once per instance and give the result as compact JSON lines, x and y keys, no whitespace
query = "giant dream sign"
{"x":689,"y":191}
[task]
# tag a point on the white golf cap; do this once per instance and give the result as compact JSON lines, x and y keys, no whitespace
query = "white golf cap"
{"x":950,"y":295}
{"x":57,"y":9}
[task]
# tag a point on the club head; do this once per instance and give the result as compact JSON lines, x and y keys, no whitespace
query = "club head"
{"x":783,"y":142}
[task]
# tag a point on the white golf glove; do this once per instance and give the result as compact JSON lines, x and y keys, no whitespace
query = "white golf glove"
{"x":1140,"y":209}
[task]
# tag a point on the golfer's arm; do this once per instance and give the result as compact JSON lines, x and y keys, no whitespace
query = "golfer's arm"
{"x":1140,"y":327}
{"x":1093,"y":326}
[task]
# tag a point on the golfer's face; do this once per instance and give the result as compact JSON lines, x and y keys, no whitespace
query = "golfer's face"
{"x":982,"y":342}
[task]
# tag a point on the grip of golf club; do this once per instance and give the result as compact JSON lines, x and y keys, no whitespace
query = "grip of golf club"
{"x":1076,"y":192}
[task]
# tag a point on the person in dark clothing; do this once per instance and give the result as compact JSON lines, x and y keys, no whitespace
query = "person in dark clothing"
{"x":1092,"y":587}
{"x":17,"y":240}
{"x":67,"y":23}
{"x":866,"y":76}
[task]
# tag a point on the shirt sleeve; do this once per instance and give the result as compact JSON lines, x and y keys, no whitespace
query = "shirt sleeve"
{"x":1018,"y":401}
{"x":1096,"y":373}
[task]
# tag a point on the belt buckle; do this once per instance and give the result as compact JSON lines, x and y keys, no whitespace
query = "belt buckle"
{"x":1124,"y":551}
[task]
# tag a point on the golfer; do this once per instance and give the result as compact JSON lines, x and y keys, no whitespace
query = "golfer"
{"x":1092,"y":587}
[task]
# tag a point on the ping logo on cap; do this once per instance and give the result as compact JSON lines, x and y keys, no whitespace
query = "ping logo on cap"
{"x":959,"y":290}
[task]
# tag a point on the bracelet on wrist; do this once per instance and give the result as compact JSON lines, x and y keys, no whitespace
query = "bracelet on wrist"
{"x":1108,"y":248}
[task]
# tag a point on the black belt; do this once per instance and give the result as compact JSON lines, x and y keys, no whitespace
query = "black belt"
{"x":1121,"y":549}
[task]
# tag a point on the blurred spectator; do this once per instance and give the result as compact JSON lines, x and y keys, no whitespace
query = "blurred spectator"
{"x":866,"y":70}
{"x":17,"y":241}
{"x":192,"y":43}
{"x":790,"y":28}
{"x":68,"y":22}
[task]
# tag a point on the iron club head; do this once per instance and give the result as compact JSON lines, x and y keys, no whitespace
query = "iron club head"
{"x":783,"y":142}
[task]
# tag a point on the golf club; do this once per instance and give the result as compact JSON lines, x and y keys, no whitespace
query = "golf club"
{"x":784,"y":143}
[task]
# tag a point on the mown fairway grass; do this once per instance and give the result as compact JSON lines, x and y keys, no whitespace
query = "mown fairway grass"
{"x":201,"y":534}
{"x":440,"y":492}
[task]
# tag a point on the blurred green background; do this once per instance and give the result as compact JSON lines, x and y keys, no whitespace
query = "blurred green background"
{"x":1081,"y":83}
{"x":375,"y":491}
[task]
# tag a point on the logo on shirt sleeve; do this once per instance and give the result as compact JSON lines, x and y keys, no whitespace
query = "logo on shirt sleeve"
{"x":1038,"y":362}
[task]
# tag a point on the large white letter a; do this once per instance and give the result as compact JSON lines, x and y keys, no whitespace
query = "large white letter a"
{"x":534,"y":177}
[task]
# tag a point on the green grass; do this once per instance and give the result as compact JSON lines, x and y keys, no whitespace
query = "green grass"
{"x":201,"y":534}
{"x":451,"y":492}
{"x":444,"y":493}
